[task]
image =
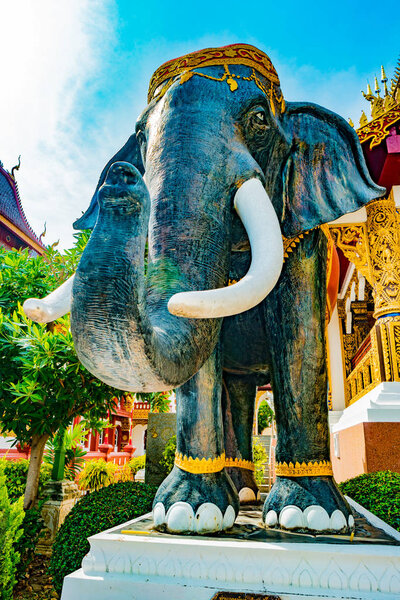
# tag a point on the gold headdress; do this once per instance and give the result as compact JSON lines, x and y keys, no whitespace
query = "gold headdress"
{"x":236,"y":54}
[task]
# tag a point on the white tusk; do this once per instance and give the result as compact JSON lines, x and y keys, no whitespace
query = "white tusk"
{"x":52,"y":307}
{"x":258,"y":216}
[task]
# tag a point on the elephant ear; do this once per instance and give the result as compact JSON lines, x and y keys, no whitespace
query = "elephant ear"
{"x":325,"y":175}
{"x":130,"y":153}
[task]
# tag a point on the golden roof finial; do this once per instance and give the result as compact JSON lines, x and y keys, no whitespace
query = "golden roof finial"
{"x":351,"y":123}
{"x":363,"y":119}
{"x":389,"y":99}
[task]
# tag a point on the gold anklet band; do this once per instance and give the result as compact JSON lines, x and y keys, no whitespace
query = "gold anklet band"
{"x":210,"y":465}
{"x":198,"y":466}
{"x":240,"y":463}
{"x":313,"y":469}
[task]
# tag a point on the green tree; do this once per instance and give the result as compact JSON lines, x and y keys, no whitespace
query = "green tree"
{"x":265,"y":416}
{"x":44,"y":386}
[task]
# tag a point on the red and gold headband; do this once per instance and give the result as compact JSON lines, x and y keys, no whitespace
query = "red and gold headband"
{"x":236,"y":54}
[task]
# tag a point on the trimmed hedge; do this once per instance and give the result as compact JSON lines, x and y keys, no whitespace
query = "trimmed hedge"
{"x":379,"y":493}
{"x":16,"y":471}
{"x":95,"y":512}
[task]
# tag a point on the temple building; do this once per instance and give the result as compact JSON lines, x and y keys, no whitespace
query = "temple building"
{"x":15,"y":231}
{"x":363,"y":334}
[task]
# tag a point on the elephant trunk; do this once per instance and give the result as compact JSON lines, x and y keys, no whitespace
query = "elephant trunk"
{"x":122,"y":330}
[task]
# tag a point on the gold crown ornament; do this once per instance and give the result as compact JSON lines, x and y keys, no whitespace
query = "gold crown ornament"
{"x":236,"y":54}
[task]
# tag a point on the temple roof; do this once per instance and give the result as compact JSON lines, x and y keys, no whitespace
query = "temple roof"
{"x":11,"y":207}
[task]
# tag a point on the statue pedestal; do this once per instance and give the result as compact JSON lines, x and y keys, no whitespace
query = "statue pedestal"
{"x":62,"y":495}
{"x":145,"y":565}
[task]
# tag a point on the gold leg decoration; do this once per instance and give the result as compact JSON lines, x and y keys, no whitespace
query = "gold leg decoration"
{"x":310,"y":469}
{"x":210,"y":465}
{"x":200,"y":465}
{"x":240,"y":463}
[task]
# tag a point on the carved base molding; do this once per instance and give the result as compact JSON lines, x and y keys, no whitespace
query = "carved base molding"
{"x":380,"y":405}
{"x":170,"y":567}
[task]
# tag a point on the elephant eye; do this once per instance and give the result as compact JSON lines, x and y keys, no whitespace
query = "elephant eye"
{"x":141,"y":138}
{"x":259,"y":118}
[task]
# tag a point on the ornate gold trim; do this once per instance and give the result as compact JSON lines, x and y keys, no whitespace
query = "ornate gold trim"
{"x":313,"y":469}
{"x":377,"y":129}
{"x":197,"y":465}
{"x":240,"y":463}
{"x":236,"y":54}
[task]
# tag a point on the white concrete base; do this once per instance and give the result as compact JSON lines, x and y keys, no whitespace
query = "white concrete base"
{"x":380,"y":405}
{"x":146,"y":567}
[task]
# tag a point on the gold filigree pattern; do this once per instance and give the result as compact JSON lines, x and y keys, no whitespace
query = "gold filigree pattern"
{"x":384,"y":249}
{"x":378,"y":129}
{"x":313,"y":469}
{"x":240,"y":463}
{"x":200,"y":465}
{"x":289,"y":244}
{"x":236,"y":54}
{"x":352,"y":240}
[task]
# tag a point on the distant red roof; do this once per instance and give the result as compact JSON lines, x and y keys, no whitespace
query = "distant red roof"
{"x":11,"y":207}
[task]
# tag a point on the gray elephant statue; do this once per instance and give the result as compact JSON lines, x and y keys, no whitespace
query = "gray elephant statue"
{"x":184,"y":285}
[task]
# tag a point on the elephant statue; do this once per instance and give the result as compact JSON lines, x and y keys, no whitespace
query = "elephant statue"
{"x":184,"y":283}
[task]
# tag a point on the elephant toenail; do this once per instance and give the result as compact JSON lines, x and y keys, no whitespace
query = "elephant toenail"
{"x":291,"y":517}
{"x":159,"y":514}
{"x":180,"y":517}
{"x":337,"y":521}
{"x":208,"y":518}
{"x":229,"y":518}
{"x":316,"y":518}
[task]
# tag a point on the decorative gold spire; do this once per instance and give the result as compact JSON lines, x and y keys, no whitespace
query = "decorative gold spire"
{"x":363,"y":119}
{"x":380,"y":105}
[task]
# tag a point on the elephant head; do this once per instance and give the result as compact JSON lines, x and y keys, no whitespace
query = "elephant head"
{"x":216,"y":136}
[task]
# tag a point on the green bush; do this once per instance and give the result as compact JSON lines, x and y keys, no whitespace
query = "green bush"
{"x":15,"y":472}
{"x":94,"y":513}
{"x":97,"y":474}
{"x":378,"y":492}
{"x":136,"y":464}
{"x":33,"y":529}
{"x":265,"y":416}
{"x":259,"y":458}
{"x":11,"y":516}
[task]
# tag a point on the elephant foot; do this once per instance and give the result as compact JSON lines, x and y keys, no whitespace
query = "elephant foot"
{"x":309,"y":504}
{"x":245,"y":484}
{"x":195,"y":503}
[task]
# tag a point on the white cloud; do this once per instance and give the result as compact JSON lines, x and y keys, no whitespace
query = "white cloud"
{"x":55,"y":52}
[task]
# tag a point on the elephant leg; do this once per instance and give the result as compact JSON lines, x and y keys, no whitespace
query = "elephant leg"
{"x":198,"y":495}
{"x":238,"y":398}
{"x":304,"y":496}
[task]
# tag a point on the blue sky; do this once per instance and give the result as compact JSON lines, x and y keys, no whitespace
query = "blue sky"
{"x":77,"y":73}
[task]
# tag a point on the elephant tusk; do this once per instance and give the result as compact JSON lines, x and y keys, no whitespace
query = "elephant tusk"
{"x":55,"y":305}
{"x":258,"y":216}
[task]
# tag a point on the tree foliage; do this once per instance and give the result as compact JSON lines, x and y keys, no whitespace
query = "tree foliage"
{"x":97,"y":474}
{"x":265,"y":416}
{"x":44,"y":386}
{"x":11,"y":517}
